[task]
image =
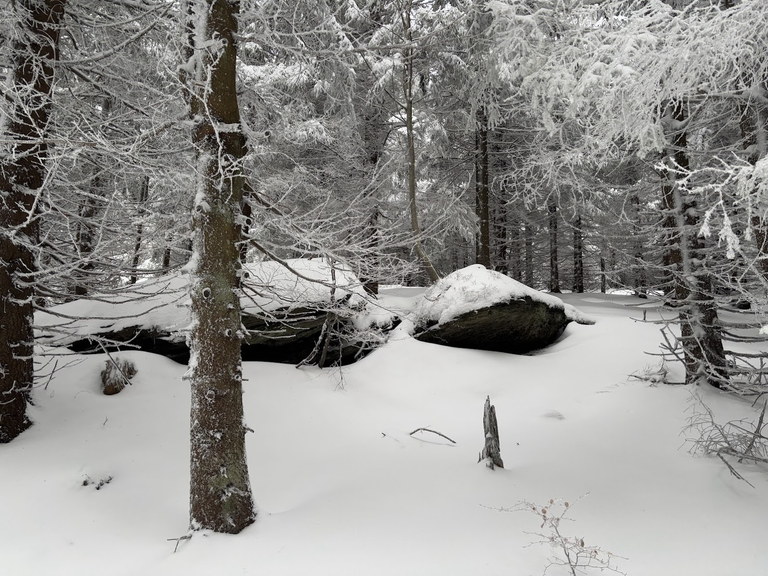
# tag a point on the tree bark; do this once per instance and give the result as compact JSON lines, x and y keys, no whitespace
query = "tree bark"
{"x":142,"y":202}
{"x":554,"y":266}
{"x":578,"y":255}
{"x":640,"y":276}
{"x":22,"y":176}
{"x":700,"y":333}
{"x":528,"y":232}
{"x":603,"y":275}
{"x":405,"y":16}
{"x":491,"y":452}
{"x":482,"y":200}
{"x":220,"y":493}
{"x":754,"y":134}
{"x":515,"y":249}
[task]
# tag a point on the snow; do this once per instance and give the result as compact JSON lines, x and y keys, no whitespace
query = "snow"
{"x":476,"y":287}
{"x":162,"y":303}
{"x":343,"y":489}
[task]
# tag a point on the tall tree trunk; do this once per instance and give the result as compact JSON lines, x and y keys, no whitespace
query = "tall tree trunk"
{"x":220,"y":492}
{"x":640,"y":276}
{"x":554,"y":266}
{"x":408,"y":73}
{"x":578,"y":255}
{"x":528,"y":232}
{"x":700,"y":334}
{"x":89,"y":208}
{"x":515,"y":249}
{"x":482,"y":200}
{"x":374,"y":132}
{"x":84,"y":237}
{"x":142,"y":202}
{"x":754,"y":132}
{"x":22,"y":174}
{"x":501,"y":259}
{"x":603,"y":275}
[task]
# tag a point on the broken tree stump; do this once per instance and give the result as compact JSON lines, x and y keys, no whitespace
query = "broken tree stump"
{"x":116,"y":375}
{"x":491,"y":452}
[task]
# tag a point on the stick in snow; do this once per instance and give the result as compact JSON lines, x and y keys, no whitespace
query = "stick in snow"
{"x":433,"y":432}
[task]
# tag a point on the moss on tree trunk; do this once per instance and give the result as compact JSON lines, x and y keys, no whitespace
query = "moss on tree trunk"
{"x":220,"y":493}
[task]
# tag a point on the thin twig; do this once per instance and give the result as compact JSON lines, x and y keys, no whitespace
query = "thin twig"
{"x":178,"y":540}
{"x":50,"y":377}
{"x":433,"y":432}
{"x":757,"y":432}
{"x":733,"y":470}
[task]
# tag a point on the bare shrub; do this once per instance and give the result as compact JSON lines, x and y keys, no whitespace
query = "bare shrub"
{"x":575,"y":554}
{"x":738,"y":439}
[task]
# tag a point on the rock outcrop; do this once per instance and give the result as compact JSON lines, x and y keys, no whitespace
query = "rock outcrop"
{"x":485,"y":310}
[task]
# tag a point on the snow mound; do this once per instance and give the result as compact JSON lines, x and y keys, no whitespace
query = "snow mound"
{"x":476,"y":287}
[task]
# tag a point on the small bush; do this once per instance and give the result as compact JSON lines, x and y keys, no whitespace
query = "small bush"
{"x":575,"y":555}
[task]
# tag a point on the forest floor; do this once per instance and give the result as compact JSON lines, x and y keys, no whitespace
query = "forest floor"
{"x":99,"y":485}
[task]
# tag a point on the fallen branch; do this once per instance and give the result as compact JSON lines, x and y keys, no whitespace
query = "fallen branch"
{"x":178,"y":540}
{"x":733,"y":470}
{"x":433,"y":432}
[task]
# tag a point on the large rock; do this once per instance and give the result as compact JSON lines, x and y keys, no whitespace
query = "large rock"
{"x":485,"y":310}
{"x":287,"y":314}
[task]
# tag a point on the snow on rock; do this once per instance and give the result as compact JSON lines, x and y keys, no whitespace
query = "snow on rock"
{"x":161,"y":304}
{"x":485,"y":310}
{"x":271,"y":285}
{"x":476,"y":287}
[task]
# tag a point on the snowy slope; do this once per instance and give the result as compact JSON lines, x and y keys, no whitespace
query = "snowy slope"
{"x":343,"y":489}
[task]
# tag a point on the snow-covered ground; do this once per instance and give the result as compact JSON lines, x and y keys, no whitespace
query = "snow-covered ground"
{"x":343,"y":489}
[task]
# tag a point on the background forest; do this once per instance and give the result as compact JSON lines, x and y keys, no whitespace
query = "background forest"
{"x":574,"y":145}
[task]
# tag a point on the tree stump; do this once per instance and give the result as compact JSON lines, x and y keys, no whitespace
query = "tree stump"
{"x":116,"y":375}
{"x":491,"y":452}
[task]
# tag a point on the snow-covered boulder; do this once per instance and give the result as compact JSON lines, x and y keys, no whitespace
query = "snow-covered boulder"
{"x":482,"y":309}
{"x":284,"y":308}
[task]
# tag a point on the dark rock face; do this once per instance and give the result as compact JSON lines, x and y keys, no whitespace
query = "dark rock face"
{"x":287,"y":337}
{"x":516,"y":327}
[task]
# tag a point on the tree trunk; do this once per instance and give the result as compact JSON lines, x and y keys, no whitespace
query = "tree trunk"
{"x":755,"y":138}
{"x":515,"y":249}
{"x":603,"y":275}
{"x":89,"y":208}
{"x":554,"y":266}
{"x":578,"y":255}
{"x":142,"y":201}
{"x":640,"y":276}
{"x":700,"y":334}
{"x":22,"y":175}
{"x":374,"y":132}
{"x":220,"y":493}
{"x":528,"y":253}
{"x":405,"y":16}
{"x":482,"y":200}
